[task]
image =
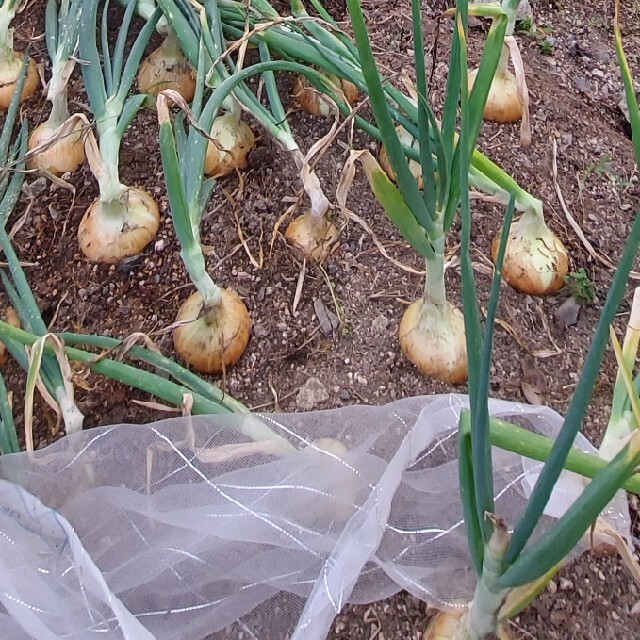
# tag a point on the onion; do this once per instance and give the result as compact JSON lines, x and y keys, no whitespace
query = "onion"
{"x":109,"y":233}
{"x":406,"y":140}
{"x":10,"y":69}
{"x":312,"y":235}
{"x":10,"y":317}
{"x":214,"y":339}
{"x":535,"y":261}
{"x":167,"y":68}
{"x":64,"y":155}
{"x":234,"y":139}
{"x":315,"y":102}
{"x":445,"y":625}
{"x":432,"y":337}
{"x":503,"y":104}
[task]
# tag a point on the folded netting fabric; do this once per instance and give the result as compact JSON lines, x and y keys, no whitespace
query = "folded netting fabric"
{"x":184,"y":530}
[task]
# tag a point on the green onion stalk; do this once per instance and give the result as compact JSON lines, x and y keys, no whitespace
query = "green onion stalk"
{"x":12,"y":161}
{"x":313,"y":233}
{"x":207,"y":398}
{"x":432,"y":334}
{"x":536,"y":260}
{"x":510,"y":568}
{"x":213,"y":326}
{"x":57,"y":145}
{"x":623,"y":420}
{"x":122,"y":220}
{"x":11,"y":61}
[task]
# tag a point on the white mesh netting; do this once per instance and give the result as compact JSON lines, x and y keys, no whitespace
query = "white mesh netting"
{"x":258,"y":546}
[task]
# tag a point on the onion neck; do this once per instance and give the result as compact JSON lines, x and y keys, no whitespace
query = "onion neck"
{"x":170,"y":47}
{"x":193,"y":258}
{"x":482,"y":618}
{"x":108,"y":175}
{"x":6,"y":33}
{"x":503,"y":63}
{"x":531,"y":225}
{"x":434,"y":287}
{"x":57,"y":91}
{"x":510,"y":7}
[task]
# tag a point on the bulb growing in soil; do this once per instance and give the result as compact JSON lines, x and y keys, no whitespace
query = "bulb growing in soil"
{"x":535,"y":261}
{"x":114,"y":230}
{"x":167,"y":68}
{"x":10,"y":68}
{"x":314,"y":236}
{"x":432,"y":337}
{"x":503,"y":104}
{"x":214,"y":338}
{"x":315,"y":102}
{"x":66,"y":152}
{"x":234,"y":140}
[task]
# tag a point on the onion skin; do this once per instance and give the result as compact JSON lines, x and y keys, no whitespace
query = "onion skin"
{"x":109,"y":238}
{"x":236,"y":139}
{"x":314,"y":101}
{"x":64,"y":156}
{"x":445,"y":625}
{"x":161,"y":71}
{"x":433,"y":338}
{"x":502,"y":104}
{"x":215,"y":340}
{"x":534,"y":264}
{"x":313,"y":236}
{"x":9,"y":74}
{"x":408,"y":141}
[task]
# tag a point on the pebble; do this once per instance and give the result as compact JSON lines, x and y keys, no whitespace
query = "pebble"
{"x":311,"y":394}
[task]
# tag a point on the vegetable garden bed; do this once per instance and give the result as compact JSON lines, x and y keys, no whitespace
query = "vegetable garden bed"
{"x":325,"y":337}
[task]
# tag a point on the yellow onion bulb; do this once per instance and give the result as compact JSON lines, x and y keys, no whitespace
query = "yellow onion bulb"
{"x":234,"y":139}
{"x":432,"y":337}
{"x":212,"y":340}
{"x":10,"y":317}
{"x":535,"y":260}
{"x":315,"y":102}
{"x":10,"y":72}
{"x":314,"y":236}
{"x":445,"y":625}
{"x":407,"y":140}
{"x":65,"y":155}
{"x":110,"y":236}
{"x":167,"y":68}
{"x":503,"y":104}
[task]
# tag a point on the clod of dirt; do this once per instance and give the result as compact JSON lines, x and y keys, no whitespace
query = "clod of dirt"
{"x":566,"y":315}
{"x":311,"y":394}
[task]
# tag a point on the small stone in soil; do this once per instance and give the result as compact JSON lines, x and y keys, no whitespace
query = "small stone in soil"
{"x":311,"y":394}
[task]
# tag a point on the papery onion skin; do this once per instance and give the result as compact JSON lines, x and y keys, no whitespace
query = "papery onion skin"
{"x":9,"y":74}
{"x":433,"y":338}
{"x":535,"y":265}
{"x":314,"y":236}
{"x":502,"y":104}
{"x":64,"y":156}
{"x":315,"y":102}
{"x":236,"y":139}
{"x":214,"y":340}
{"x":445,"y":625}
{"x":160,"y":72}
{"x":108,"y":238}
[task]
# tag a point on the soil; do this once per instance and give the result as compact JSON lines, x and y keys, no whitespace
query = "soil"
{"x":575,"y":89}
